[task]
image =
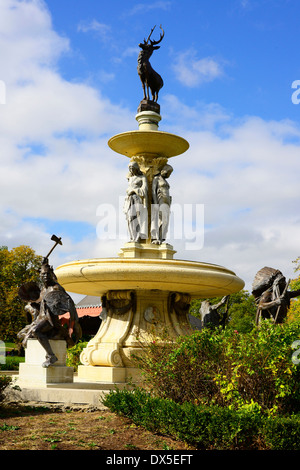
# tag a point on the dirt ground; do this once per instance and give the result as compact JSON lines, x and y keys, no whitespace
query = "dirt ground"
{"x":28,"y":427}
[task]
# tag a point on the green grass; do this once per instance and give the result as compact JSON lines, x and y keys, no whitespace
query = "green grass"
{"x":11,"y":362}
{"x":9,"y":346}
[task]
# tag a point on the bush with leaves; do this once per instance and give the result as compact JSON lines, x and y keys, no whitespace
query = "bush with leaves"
{"x":182,"y":370}
{"x":259,"y":369}
{"x":210,"y":427}
{"x":73,"y":354}
{"x":227,"y":368}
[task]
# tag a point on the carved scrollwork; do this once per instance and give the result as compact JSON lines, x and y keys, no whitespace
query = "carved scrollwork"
{"x":119,"y":302}
{"x":150,"y":166}
{"x":179,"y":303}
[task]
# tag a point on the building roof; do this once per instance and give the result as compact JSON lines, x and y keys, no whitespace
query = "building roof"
{"x":90,"y":311}
{"x":89,"y":301}
{"x":89,"y":305}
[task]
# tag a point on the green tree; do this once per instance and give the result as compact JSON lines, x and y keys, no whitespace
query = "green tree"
{"x":17,"y":266}
{"x":242,"y":311}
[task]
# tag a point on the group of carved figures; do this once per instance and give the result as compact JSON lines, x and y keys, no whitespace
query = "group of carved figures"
{"x":272,"y":299}
{"x":137,"y":204}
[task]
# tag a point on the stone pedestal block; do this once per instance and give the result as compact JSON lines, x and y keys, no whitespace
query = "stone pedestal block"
{"x":31,"y":371}
{"x":106,"y":374}
{"x":136,"y":250}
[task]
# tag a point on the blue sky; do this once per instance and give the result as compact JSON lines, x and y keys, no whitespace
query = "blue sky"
{"x":69,"y":71}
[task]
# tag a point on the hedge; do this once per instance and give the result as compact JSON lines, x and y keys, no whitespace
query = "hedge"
{"x":207,"y":427}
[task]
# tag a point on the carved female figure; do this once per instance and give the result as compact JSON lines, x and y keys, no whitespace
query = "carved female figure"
{"x":160,"y":210}
{"x":135,"y":206}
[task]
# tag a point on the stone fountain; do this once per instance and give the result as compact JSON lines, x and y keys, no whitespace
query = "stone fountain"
{"x":145,"y":291}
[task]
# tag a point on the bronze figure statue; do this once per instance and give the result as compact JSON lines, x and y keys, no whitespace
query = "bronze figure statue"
{"x":271,"y":294}
{"x":210,"y":317}
{"x":45,"y":303}
{"x":149,"y":78}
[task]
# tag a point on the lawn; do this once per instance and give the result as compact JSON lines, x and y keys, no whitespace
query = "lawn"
{"x":24,"y":427}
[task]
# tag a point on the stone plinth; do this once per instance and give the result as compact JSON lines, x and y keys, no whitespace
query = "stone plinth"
{"x":31,"y":371}
{"x":108,"y":374}
{"x":148,"y":120}
{"x":148,"y":105}
{"x":147,"y":251}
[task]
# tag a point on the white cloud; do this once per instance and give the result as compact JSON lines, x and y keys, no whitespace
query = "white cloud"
{"x":180,"y":116}
{"x":27,"y":40}
{"x":146,"y":7}
{"x":102,"y":29}
{"x":192,"y":71}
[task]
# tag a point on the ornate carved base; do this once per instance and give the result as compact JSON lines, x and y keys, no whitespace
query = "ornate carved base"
{"x":132,"y":320}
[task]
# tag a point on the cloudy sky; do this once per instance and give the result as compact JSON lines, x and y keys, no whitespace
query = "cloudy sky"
{"x":68,"y":82}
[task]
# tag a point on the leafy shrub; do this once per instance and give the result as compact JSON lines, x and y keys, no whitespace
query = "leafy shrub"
{"x":259,"y":369}
{"x":182,"y":370}
{"x":207,"y":426}
{"x":227,"y":368}
{"x":282,"y":432}
{"x":220,"y":389}
{"x":73,"y":354}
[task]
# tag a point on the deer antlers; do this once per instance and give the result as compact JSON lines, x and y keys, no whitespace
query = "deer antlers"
{"x":153,"y":43}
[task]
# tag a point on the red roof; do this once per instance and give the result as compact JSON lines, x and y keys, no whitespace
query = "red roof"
{"x":81,"y":312}
{"x":90,"y":311}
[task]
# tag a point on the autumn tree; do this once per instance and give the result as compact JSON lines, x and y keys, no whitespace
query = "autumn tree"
{"x":17,"y":266}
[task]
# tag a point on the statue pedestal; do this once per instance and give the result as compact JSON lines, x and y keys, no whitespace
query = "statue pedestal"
{"x":147,"y":251}
{"x":31,"y":371}
{"x":107,"y":374}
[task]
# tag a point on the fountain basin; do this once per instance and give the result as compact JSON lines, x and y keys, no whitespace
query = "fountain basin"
{"x":148,"y":143}
{"x":97,"y":276}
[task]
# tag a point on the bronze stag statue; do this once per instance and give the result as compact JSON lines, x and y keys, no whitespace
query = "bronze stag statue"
{"x":149,"y":78}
